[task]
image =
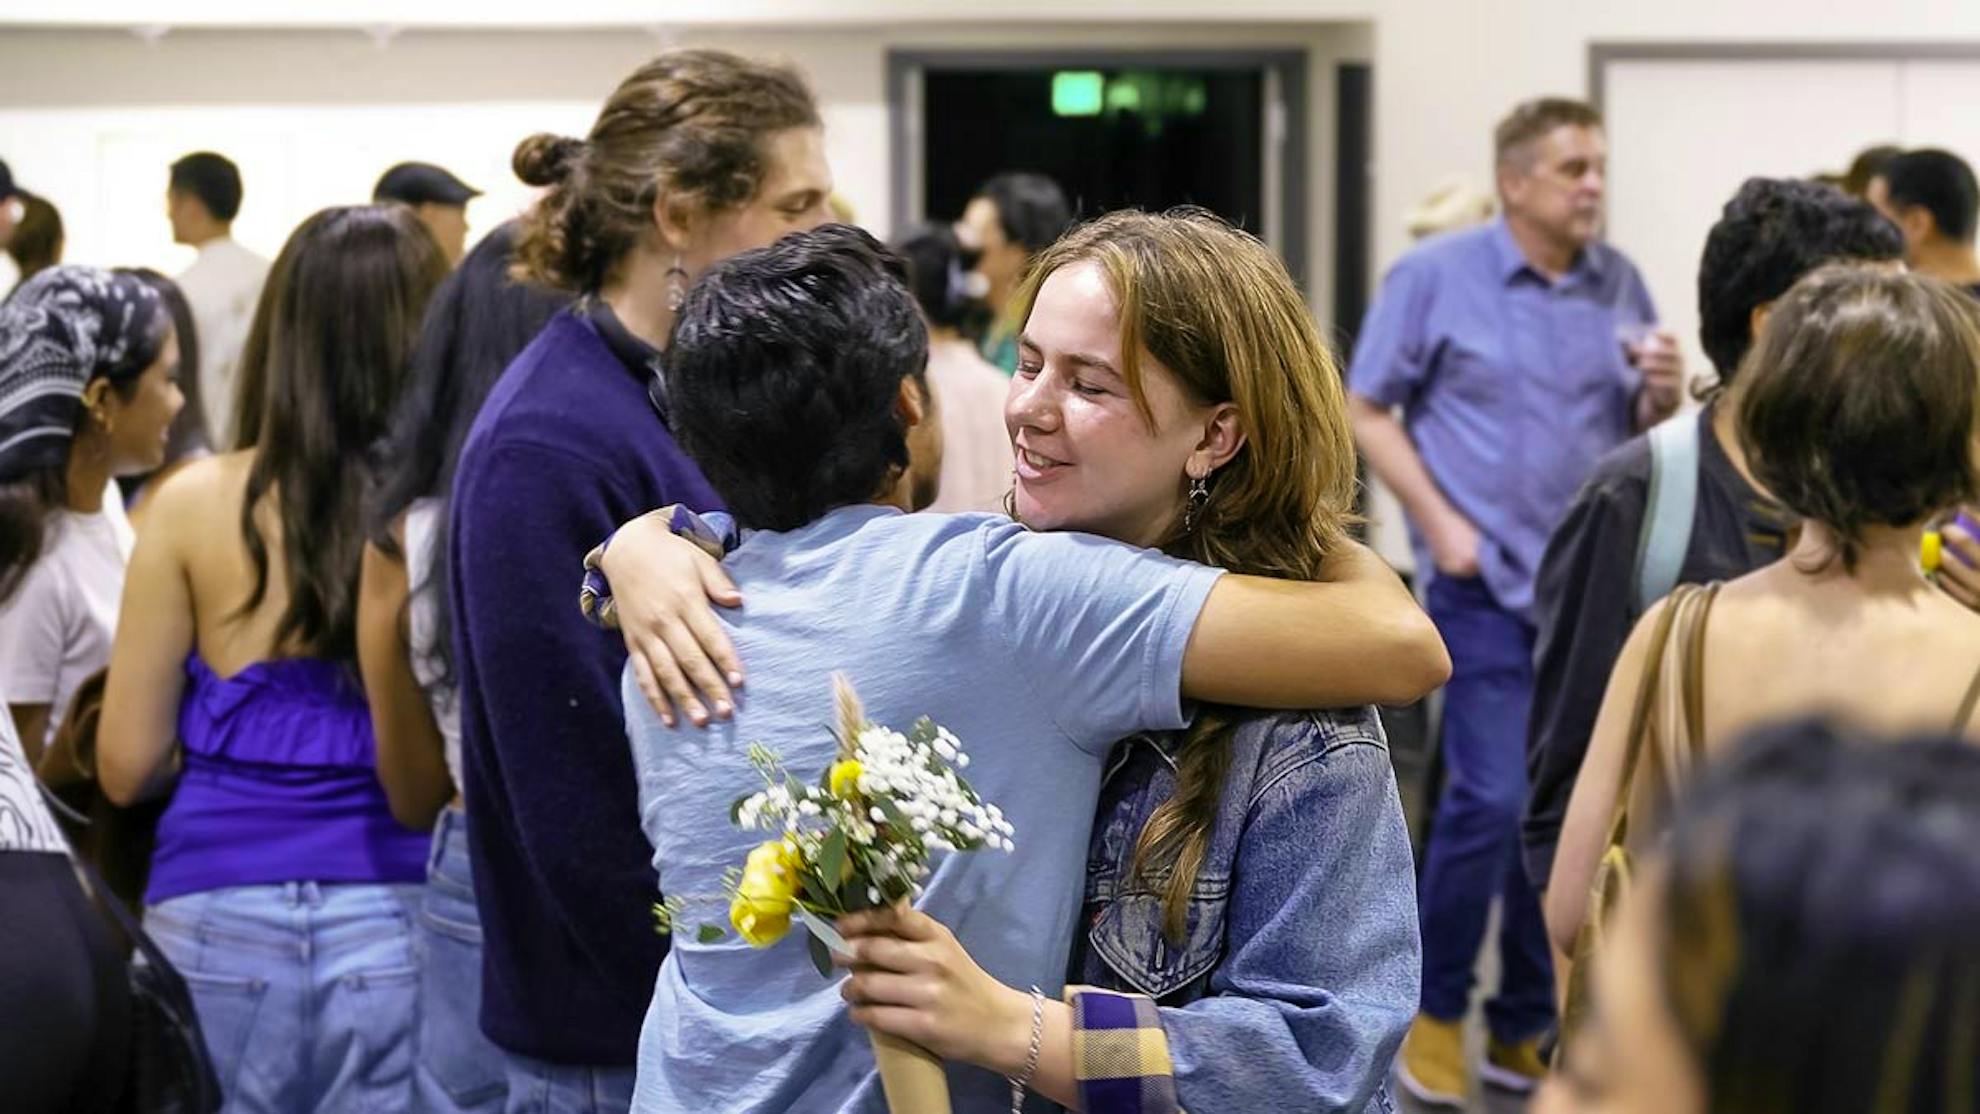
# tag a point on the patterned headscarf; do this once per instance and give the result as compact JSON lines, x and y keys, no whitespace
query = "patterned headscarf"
{"x":61,"y":329}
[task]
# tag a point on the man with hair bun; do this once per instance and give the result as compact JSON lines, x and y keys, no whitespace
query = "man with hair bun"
{"x":697,"y":155}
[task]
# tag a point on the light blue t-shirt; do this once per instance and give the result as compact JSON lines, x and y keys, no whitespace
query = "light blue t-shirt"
{"x":1037,"y":650}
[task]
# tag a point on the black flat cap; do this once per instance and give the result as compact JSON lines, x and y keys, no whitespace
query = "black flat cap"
{"x":419,"y":183}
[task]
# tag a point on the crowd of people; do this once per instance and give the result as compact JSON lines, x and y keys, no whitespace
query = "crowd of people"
{"x":390,"y":623}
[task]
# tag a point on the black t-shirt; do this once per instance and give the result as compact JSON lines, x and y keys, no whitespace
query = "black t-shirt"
{"x":1585,"y":606}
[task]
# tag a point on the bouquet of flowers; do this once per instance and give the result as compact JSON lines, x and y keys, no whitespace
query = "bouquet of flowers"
{"x":860,"y":837}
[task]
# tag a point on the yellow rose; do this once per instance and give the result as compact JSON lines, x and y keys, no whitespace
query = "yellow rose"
{"x":761,"y":908}
{"x":845,"y":777}
{"x":759,"y":925}
{"x":775,"y":858}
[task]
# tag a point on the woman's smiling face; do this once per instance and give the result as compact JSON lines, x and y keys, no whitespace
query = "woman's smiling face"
{"x":1086,"y":458}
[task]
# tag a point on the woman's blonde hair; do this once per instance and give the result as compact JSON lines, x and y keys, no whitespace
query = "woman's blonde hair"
{"x":1216,"y":308}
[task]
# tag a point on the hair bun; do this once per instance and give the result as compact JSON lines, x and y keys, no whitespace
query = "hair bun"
{"x":544,"y":159}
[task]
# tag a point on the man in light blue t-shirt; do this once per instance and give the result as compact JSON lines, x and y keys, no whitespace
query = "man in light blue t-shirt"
{"x":795,"y":380}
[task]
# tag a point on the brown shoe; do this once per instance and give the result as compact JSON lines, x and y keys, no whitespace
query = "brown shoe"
{"x":1431,"y":1067}
{"x":1514,"y":1066}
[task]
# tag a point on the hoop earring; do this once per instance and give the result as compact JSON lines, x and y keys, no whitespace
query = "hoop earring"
{"x":677,"y":284}
{"x":1199,"y":498}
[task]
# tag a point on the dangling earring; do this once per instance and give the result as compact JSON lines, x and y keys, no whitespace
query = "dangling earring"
{"x":1199,"y":498}
{"x":677,"y":284}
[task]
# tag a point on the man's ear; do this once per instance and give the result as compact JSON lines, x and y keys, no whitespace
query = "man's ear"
{"x":1917,"y":224}
{"x":915,"y":405}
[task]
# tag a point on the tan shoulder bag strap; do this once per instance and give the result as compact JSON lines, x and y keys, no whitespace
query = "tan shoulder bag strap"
{"x":1693,"y":651}
{"x":1639,"y":717}
{"x":1968,"y":706}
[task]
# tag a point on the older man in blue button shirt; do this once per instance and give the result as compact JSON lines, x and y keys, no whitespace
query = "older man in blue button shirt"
{"x":1519,"y":352}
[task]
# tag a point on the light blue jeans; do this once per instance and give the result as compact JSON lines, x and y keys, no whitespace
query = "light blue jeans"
{"x":460,"y":1071}
{"x":307,"y":994}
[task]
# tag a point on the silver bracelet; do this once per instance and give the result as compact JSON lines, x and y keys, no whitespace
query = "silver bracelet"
{"x":1023,"y":1079}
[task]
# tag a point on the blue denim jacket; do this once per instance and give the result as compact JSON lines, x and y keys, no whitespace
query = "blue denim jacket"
{"x":1300,"y":971}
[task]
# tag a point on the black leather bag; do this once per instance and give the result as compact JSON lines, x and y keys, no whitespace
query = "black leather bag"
{"x":169,"y":1071}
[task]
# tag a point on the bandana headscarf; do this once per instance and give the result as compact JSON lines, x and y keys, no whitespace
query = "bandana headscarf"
{"x":61,"y":329}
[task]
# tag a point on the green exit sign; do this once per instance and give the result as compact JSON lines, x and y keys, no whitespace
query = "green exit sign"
{"x":1077,"y":93}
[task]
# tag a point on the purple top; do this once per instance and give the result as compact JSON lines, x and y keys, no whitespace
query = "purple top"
{"x":280,"y":785}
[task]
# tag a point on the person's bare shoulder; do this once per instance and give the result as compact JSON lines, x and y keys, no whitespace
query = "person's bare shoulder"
{"x":201,"y":497}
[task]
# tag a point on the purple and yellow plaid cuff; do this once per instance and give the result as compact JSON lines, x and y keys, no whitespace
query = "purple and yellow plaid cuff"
{"x":1121,"y":1053}
{"x":714,"y":532}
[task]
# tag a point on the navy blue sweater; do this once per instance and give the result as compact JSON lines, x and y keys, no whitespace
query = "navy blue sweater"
{"x":567,"y":446}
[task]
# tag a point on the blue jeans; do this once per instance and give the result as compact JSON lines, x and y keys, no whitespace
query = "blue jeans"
{"x":1474,"y":842}
{"x":460,"y":1071}
{"x":307,"y":993}
{"x":537,"y":1087}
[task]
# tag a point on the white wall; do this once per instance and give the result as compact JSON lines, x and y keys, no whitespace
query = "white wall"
{"x":312,"y":116}
{"x":1447,"y":69}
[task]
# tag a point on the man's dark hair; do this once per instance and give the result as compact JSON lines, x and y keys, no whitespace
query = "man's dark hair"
{"x":214,"y":179}
{"x":784,"y":372}
{"x":1942,"y":183}
{"x":1031,"y":208}
{"x":1772,"y":232}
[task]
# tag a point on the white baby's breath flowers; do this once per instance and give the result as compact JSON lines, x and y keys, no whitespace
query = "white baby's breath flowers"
{"x":878,"y":815}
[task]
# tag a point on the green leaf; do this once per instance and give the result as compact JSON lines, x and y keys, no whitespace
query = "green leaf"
{"x":735,"y":811}
{"x":832,"y":860}
{"x":821,"y":956}
{"x":709,"y":934}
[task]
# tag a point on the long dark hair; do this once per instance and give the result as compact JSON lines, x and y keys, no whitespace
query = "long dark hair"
{"x":479,"y":320}
{"x":341,"y":312}
{"x":1818,"y":929}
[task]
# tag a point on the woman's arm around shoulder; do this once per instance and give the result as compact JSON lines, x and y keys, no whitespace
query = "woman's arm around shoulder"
{"x":1356,"y":638}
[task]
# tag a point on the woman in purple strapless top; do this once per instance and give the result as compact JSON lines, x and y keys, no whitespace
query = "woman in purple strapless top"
{"x":281,"y":887}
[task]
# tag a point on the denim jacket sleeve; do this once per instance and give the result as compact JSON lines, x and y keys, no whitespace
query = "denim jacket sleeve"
{"x":1321,"y":975}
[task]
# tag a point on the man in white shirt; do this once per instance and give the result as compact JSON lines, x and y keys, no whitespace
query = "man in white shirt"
{"x":223,"y":284}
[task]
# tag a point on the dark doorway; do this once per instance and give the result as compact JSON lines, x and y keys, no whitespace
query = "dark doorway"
{"x":1115,"y":130}
{"x":1354,"y":190}
{"x":1112,"y":138}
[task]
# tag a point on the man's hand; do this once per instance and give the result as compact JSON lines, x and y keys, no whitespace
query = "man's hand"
{"x":1662,"y":365}
{"x":1454,"y":544}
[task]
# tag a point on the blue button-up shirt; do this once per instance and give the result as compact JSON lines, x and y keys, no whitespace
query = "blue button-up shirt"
{"x":1512,"y":385}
